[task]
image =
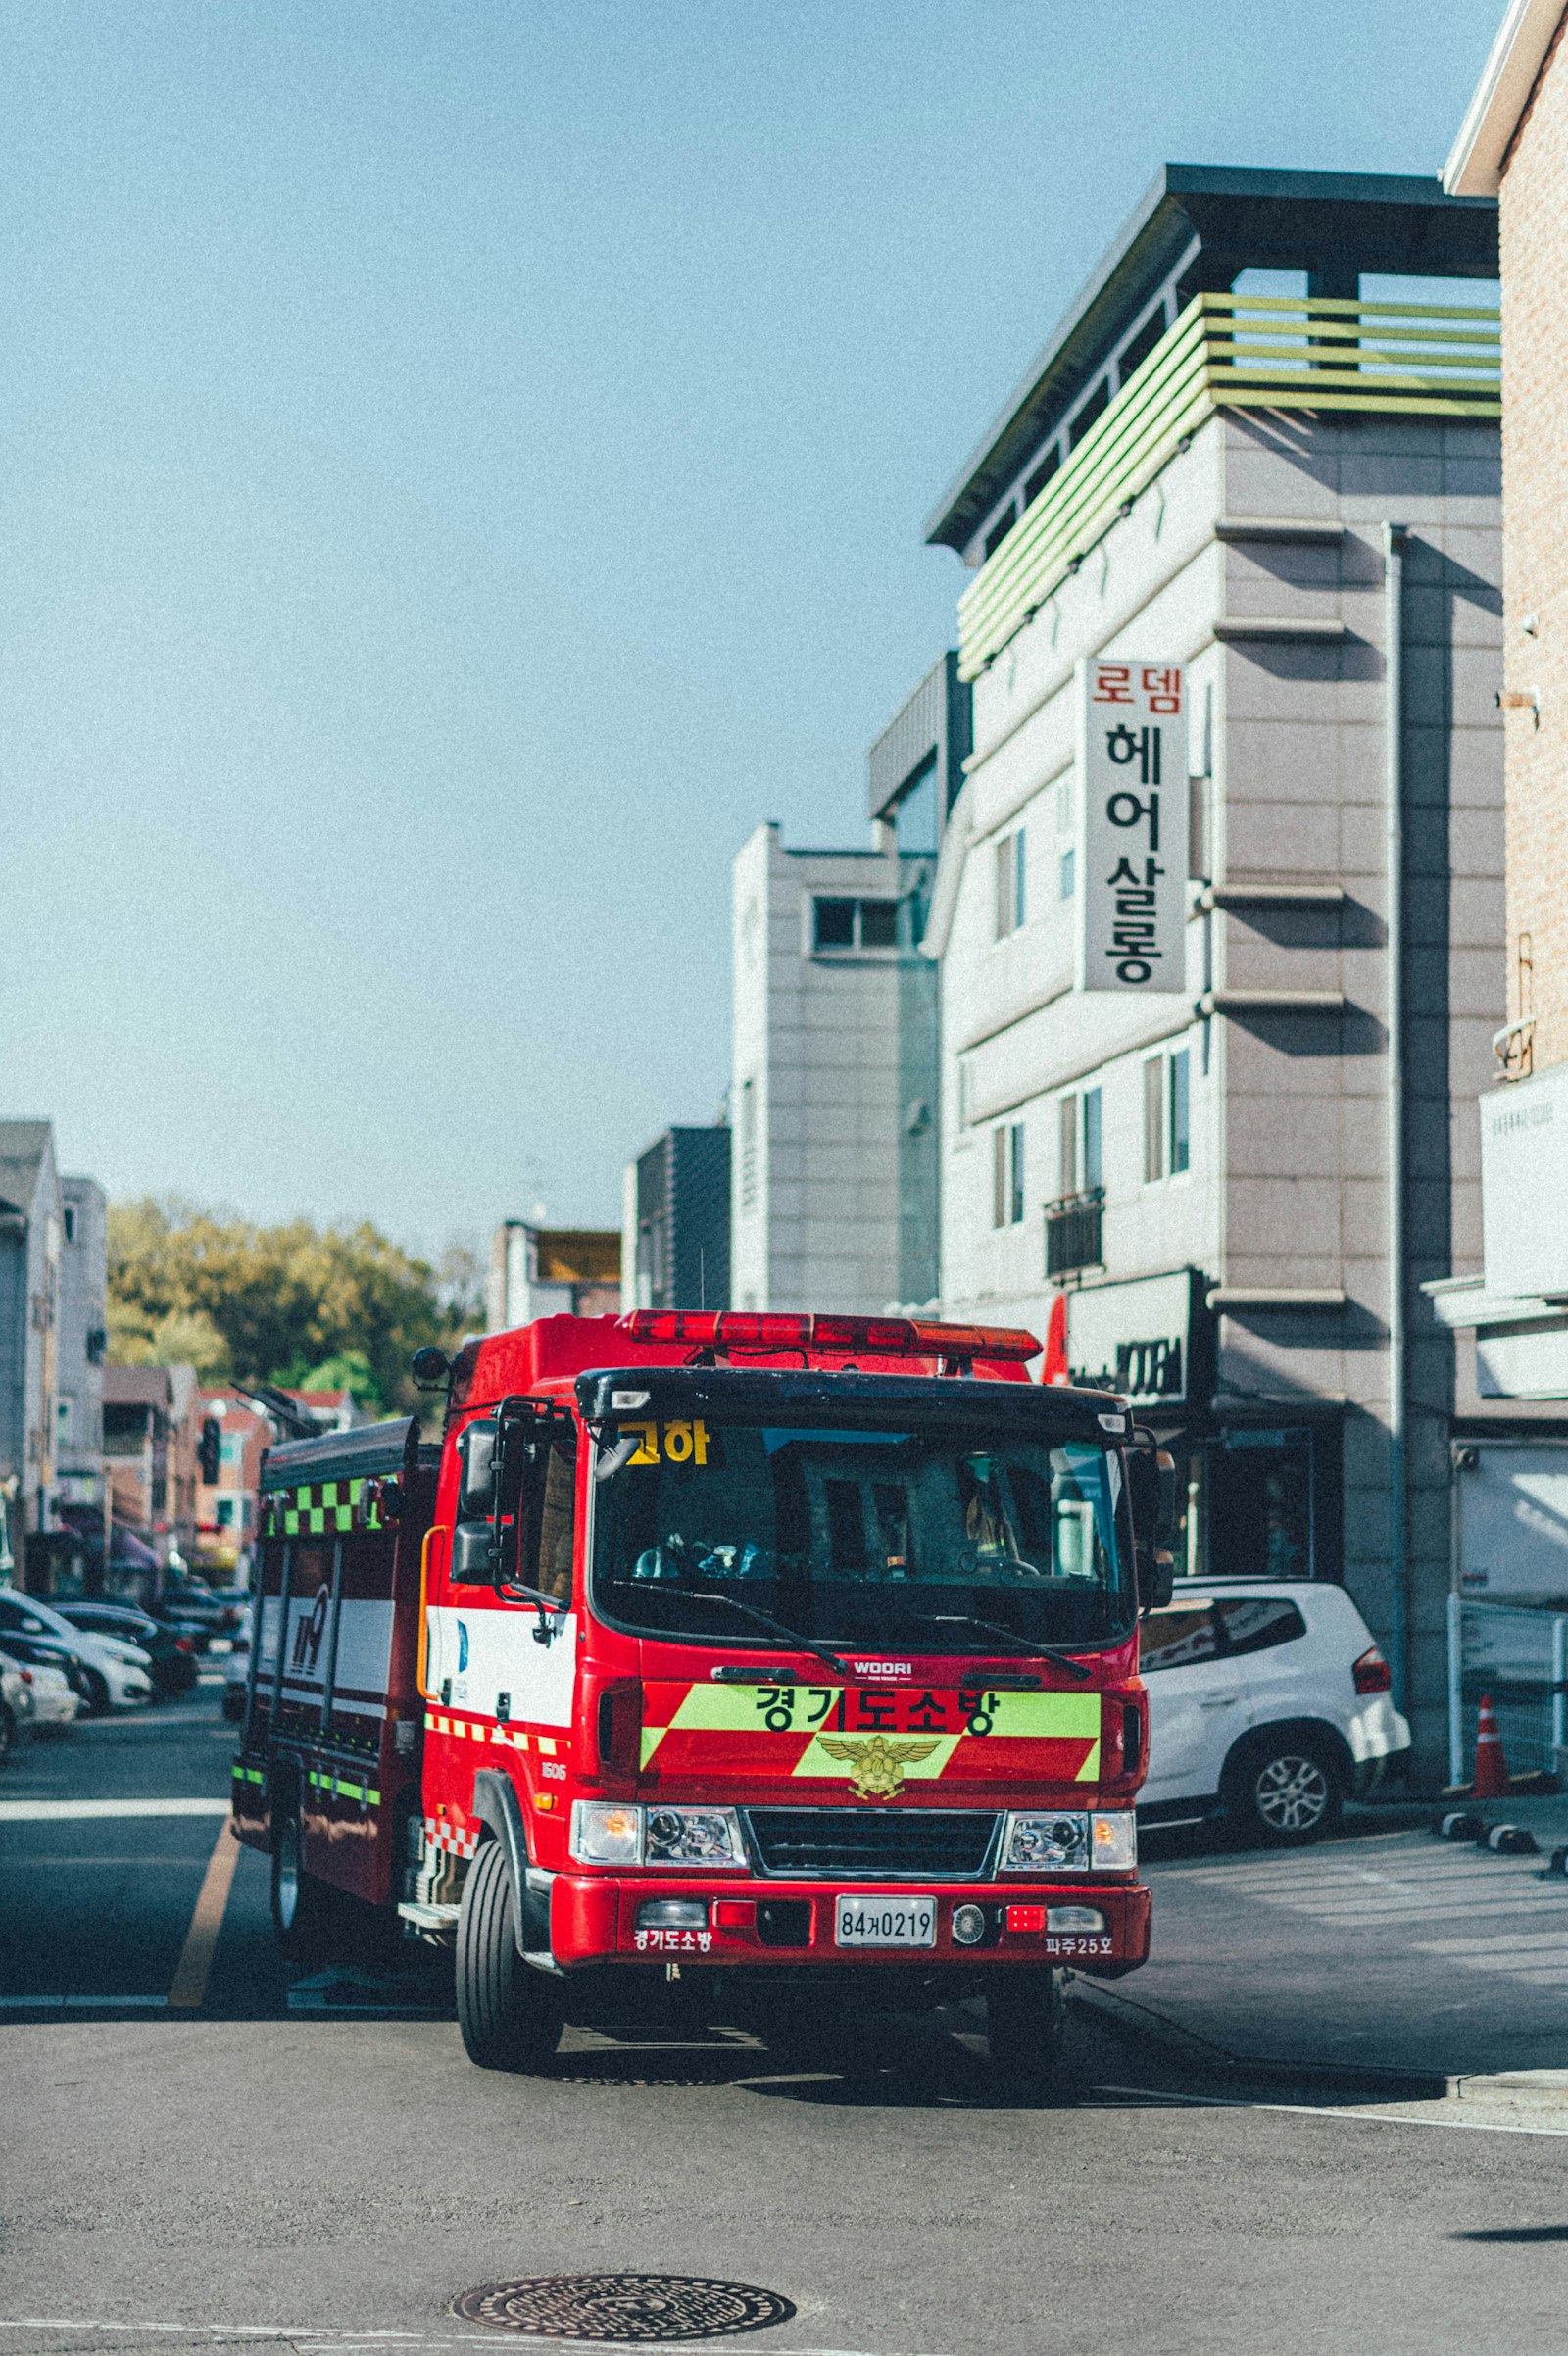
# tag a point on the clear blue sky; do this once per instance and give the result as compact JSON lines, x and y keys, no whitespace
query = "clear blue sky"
{"x":463,"y":467}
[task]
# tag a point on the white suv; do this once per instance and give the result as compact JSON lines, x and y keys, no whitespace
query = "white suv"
{"x":1268,"y":1699}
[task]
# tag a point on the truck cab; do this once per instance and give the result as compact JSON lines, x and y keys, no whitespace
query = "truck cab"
{"x":791,"y":1658}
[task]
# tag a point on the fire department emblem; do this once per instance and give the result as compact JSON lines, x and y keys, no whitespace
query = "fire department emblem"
{"x":876,"y":1766}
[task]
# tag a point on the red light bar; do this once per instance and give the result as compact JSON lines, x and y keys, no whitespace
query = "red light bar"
{"x":976,"y":1341}
{"x":1026,"y":1921}
{"x":833,"y":1337}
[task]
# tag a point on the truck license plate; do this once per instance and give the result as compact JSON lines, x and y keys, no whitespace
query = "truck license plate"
{"x":886,"y":1923}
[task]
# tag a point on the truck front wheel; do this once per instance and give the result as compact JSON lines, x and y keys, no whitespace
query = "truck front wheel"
{"x":510,"y":2015}
{"x":1025,"y":2024}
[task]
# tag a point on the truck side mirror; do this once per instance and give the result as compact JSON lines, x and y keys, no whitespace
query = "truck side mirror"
{"x":478,"y":1468}
{"x":474,"y":1554}
{"x":1152,"y":1493}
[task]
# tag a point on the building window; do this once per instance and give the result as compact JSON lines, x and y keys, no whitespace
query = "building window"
{"x":1000,"y":528}
{"x":879,"y":923}
{"x":1006,"y":1175}
{"x":834,"y":926}
{"x":1181,"y":1115}
{"x":1011,"y":883}
{"x":748,"y":1140}
{"x":1047,"y":467}
{"x":1088,"y":410}
{"x":1136,"y":351}
{"x":838,"y":924}
{"x":1167,"y":1117}
{"x":1067,"y":1146}
{"x":1153,"y":1119}
{"x":1070,"y":873}
{"x":1094,"y":1159}
{"x":70,"y":1214}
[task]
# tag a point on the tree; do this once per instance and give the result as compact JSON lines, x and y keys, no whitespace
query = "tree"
{"x":282,"y":1302}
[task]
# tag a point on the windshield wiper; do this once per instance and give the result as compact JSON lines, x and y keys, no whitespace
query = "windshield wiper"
{"x":765,"y":1619}
{"x":1024,"y":1644}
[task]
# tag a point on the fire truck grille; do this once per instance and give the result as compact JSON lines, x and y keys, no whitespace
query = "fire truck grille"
{"x":930,"y":1842}
{"x":625,"y":2308}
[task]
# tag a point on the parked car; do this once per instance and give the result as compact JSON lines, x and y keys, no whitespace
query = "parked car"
{"x":190,"y":1599}
{"x":48,"y":1652}
{"x":116,"y":1674}
{"x":15,"y":1702}
{"x":1268,"y":1701}
{"x":170,"y":1651}
{"x":237,"y":1672}
{"x":34,"y":1697}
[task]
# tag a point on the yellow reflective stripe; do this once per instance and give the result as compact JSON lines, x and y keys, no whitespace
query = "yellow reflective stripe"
{"x":1062,"y":1717}
{"x":726,"y":1709}
{"x":653,"y":1735}
{"x":1090,"y":1770}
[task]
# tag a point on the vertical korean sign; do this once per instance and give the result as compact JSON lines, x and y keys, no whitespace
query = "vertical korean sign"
{"x":1132,"y":932}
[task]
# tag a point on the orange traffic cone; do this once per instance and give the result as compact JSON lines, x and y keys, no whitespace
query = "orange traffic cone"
{"x":1492,"y":1768}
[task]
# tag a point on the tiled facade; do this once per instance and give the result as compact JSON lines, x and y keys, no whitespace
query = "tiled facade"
{"x":1258,"y":557}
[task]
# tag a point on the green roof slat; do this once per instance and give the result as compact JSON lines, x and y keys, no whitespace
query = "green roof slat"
{"x":1215,"y":356}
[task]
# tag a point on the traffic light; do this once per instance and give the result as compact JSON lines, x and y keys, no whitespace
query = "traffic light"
{"x":210,"y":1449}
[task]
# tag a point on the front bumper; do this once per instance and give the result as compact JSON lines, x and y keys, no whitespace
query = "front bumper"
{"x":594,"y":1919}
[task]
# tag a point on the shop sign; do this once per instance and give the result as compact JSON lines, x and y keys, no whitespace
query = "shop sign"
{"x":1524,"y":1203}
{"x":1132,"y":898}
{"x":1134,"y":1338}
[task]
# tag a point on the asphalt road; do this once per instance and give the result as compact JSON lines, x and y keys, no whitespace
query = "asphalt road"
{"x":247,"y":2169}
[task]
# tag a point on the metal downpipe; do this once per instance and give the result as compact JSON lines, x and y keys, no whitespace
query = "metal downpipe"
{"x":1394,"y":781}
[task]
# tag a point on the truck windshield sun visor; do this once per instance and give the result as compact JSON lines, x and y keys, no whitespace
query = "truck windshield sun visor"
{"x":830,"y":1535}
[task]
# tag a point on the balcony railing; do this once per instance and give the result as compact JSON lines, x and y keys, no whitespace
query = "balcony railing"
{"x":1229,"y":352}
{"x":1072,"y":1232}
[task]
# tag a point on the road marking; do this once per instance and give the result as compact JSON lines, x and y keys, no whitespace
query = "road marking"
{"x":189,"y":1985}
{"x":1318,"y":2110}
{"x":87,"y":1811}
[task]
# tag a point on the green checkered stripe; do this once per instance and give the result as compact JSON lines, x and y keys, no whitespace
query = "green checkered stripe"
{"x":316,"y":1507}
{"x":327,"y":1784}
{"x":247,"y":1775}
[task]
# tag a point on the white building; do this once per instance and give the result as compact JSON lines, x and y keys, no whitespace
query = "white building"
{"x":820,"y":941}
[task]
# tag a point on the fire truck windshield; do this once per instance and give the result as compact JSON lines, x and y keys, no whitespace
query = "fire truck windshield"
{"x":870,"y":1539}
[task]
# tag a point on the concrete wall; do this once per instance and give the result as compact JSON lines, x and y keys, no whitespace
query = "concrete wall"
{"x":815,"y":1090}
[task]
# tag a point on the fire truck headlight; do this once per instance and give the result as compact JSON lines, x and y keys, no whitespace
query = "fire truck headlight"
{"x":1114,"y":1840}
{"x":707,"y":1837}
{"x":606,"y":1832}
{"x":1045,"y":1840}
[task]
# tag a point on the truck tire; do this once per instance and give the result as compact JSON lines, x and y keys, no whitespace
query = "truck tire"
{"x":1026,"y":2020}
{"x":510,"y":2015}
{"x":307,"y":1912}
{"x":1284,"y":1787}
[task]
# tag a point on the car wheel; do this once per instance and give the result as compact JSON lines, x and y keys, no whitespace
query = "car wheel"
{"x":1027,"y":2021}
{"x":1285,"y":1792}
{"x":510,"y":2015}
{"x":7,"y":1729}
{"x":97,"y":1694}
{"x":307,"y":1912}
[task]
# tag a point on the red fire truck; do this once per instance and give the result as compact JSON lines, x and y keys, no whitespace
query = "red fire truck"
{"x":791,"y":1657}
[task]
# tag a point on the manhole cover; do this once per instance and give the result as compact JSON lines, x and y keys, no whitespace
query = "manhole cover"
{"x":623,"y":2307}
